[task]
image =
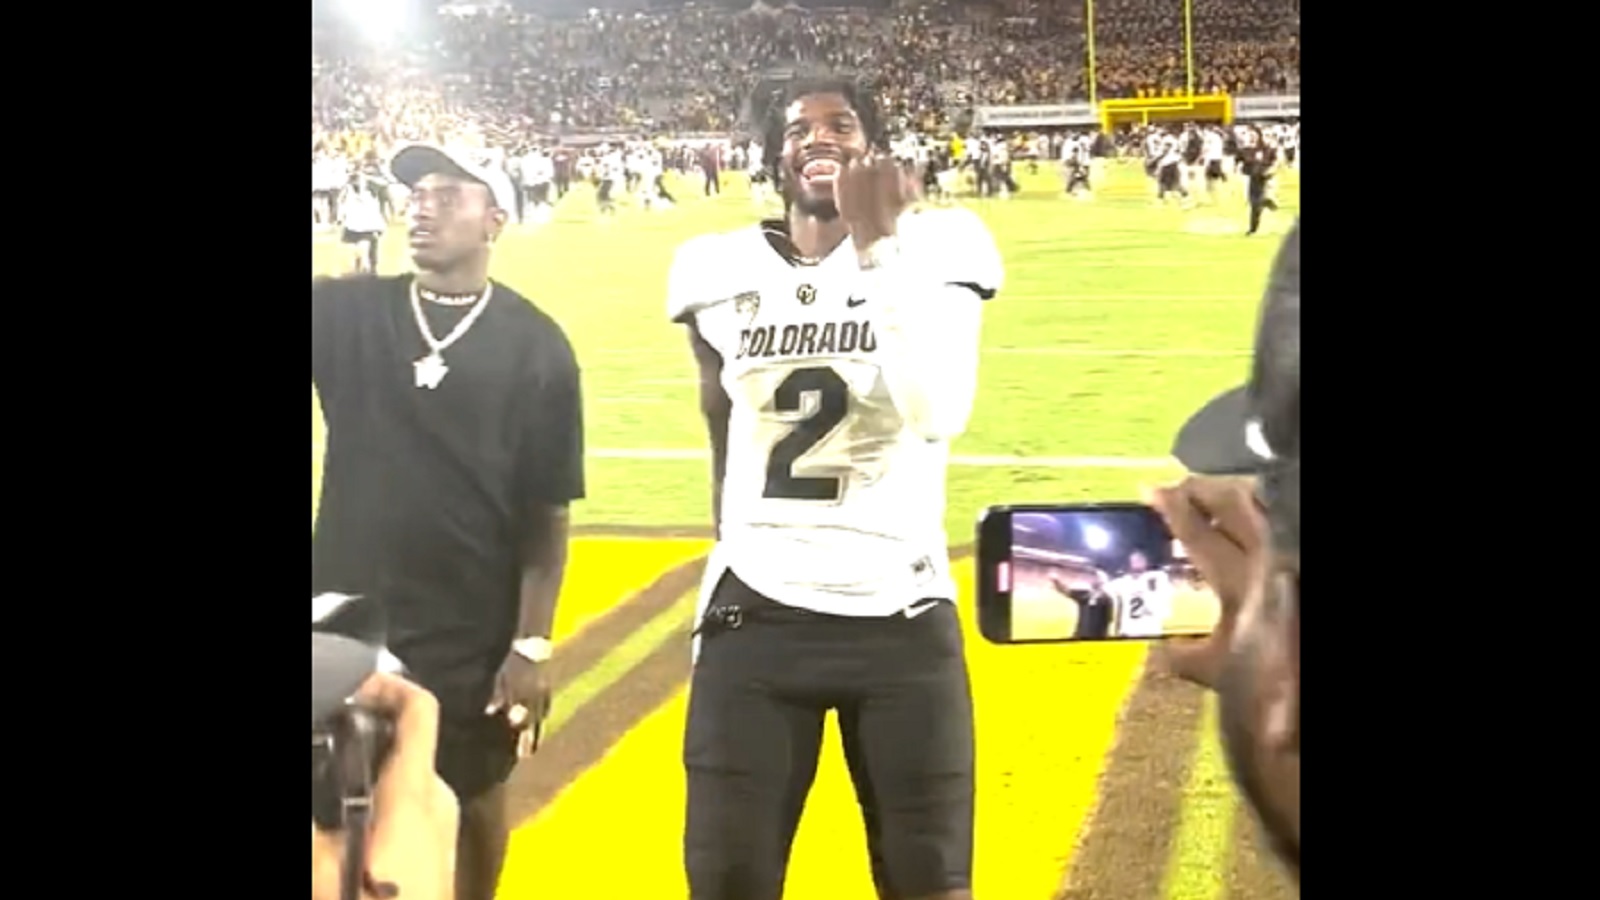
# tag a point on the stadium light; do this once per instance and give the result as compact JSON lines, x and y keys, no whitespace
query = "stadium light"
{"x":1096,"y":538}
{"x":377,"y":20}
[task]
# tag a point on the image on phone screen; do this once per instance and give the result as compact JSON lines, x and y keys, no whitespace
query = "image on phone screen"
{"x":1087,"y":572}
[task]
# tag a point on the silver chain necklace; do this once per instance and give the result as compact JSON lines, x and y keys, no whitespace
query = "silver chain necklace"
{"x":430,"y":369}
{"x":449,"y":299}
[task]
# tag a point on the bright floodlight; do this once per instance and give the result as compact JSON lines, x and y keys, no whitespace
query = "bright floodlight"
{"x":1096,"y":538}
{"x":377,"y":19}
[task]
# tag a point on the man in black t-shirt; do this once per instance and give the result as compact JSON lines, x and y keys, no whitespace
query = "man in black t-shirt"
{"x":1256,"y":160}
{"x":454,"y":446}
{"x":1094,"y":609}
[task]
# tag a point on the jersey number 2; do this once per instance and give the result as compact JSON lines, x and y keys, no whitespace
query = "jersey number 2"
{"x":832,"y":404}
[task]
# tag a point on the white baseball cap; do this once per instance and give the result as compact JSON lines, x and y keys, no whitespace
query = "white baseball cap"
{"x":414,"y":162}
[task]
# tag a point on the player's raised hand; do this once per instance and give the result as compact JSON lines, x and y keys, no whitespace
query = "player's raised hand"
{"x":872,"y":192}
{"x":1220,"y":522}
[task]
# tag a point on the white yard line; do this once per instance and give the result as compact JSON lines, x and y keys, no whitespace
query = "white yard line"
{"x":977,"y":462}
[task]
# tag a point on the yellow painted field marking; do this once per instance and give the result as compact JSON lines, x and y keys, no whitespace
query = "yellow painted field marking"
{"x":615,"y":832}
{"x":1046,"y":717}
{"x":605,"y":571}
{"x":1046,"y":721}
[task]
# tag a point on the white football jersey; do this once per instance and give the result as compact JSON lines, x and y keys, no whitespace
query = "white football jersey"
{"x":1144,"y":602}
{"x":846,"y":388}
{"x":360,"y":210}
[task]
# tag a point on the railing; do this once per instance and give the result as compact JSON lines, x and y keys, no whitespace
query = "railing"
{"x":1246,"y":107}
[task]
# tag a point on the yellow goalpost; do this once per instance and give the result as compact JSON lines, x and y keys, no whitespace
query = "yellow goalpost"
{"x":1144,"y":110}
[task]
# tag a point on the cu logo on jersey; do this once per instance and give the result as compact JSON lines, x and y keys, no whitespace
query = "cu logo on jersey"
{"x":806,"y":294}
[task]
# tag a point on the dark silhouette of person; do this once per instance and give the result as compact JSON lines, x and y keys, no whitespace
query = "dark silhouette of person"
{"x":1094,"y":610}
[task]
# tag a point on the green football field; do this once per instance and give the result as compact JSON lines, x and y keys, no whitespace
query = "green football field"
{"x":1098,"y":776}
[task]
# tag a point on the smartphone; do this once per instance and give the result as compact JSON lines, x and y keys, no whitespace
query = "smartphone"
{"x":1086,"y":572}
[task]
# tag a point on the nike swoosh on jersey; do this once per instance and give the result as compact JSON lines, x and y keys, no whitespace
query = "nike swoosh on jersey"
{"x":854,"y":302}
{"x":918,"y":609}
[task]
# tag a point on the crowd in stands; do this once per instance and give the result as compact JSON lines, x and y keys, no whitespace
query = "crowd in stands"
{"x":688,"y":69}
{"x":1240,"y":47}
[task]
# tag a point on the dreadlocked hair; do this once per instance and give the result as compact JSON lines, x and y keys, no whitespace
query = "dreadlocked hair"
{"x":770,"y":102}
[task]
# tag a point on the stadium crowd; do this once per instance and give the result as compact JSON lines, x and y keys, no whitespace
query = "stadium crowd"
{"x":507,"y":74}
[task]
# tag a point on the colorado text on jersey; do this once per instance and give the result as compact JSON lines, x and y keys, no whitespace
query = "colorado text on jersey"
{"x":846,"y":387}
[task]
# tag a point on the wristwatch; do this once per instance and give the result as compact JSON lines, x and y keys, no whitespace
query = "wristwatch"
{"x":534,"y":649}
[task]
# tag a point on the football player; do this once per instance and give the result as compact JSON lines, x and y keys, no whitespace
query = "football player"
{"x":1144,"y":599}
{"x":838,"y":355}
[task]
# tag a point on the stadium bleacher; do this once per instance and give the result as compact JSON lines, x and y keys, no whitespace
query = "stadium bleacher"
{"x":507,"y":74}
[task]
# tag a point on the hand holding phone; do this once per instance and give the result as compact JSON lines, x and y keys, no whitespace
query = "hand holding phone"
{"x":416,"y":817}
{"x":1221,"y":521}
{"x":1087,"y":572}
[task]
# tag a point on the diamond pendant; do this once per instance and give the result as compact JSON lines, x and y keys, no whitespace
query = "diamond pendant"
{"x":430,"y":371}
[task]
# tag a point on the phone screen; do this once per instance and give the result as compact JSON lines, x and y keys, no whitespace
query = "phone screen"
{"x":1086,"y":572}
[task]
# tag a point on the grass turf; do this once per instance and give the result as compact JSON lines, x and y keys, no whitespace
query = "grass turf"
{"x":1118,"y":319}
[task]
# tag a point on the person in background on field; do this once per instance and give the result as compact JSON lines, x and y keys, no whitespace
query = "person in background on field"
{"x":609,"y":178}
{"x":360,"y":208}
{"x":1214,"y":168}
{"x":538,"y":177}
{"x":1256,"y":161}
{"x":711,"y":169}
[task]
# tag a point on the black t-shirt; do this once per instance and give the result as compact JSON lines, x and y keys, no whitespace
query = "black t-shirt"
{"x":1094,"y":615}
{"x":1192,"y":148}
{"x":426,"y":493}
{"x":1257,"y":163}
